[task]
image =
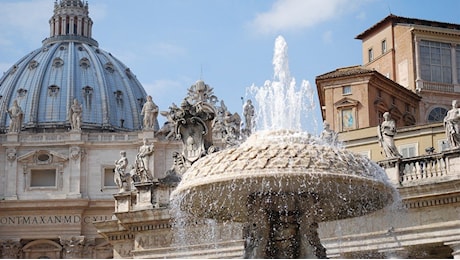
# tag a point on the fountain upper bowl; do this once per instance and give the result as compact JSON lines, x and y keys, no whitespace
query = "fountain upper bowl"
{"x":284,"y":167}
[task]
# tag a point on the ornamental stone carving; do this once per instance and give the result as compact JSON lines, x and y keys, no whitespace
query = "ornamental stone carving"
{"x":11,"y":154}
{"x":73,"y":246}
{"x":11,"y":249}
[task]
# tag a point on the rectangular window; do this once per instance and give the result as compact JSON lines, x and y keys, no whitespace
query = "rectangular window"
{"x":384,"y":46}
{"x":435,"y":61}
{"x":408,"y":150}
{"x":370,"y":54}
{"x":109,"y":177}
{"x":43,"y":178}
{"x":346,"y":90}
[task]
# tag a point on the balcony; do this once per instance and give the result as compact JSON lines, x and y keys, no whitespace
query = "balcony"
{"x":424,"y":169}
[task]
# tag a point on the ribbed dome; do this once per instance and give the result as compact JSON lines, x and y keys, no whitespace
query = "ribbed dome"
{"x":69,"y":66}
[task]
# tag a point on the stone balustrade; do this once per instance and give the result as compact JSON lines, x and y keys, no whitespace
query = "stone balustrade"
{"x":428,"y":168}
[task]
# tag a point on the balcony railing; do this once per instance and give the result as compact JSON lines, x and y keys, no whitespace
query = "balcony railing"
{"x":415,"y":169}
{"x":436,"y":86}
{"x":429,"y":168}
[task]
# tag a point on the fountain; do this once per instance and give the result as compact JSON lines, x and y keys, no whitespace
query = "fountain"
{"x":281,"y":182}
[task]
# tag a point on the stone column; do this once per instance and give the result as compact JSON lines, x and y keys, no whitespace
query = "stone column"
{"x":79,"y":25}
{"x":63,"y":26}
{"x":71,"y":26}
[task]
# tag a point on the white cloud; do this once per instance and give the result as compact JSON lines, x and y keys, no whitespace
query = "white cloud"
{"x":288,"y":15}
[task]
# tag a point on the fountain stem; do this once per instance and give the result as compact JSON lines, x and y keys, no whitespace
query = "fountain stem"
{"x":279,"y":228}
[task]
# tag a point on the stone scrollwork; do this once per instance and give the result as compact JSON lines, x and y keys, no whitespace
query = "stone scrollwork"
{"x":10,"y":249}
{"x":73,"y":246}
{"x":192,"y":123}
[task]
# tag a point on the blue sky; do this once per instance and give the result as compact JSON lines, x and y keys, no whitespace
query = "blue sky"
{"x":229,"y":44}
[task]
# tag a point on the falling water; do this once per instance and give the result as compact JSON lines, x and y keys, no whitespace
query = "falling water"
{"x":280,"y":103}
{"x":277,"y":165}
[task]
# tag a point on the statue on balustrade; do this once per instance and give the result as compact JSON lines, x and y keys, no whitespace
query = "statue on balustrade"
{"x":386,"y":133}
{"x":248,"y":113}
{"x":75,"y":115}
{"x":328,"y":135}
{"x":150,"y":113}
{"x":121,"y":177}
{"x":16,"y":116}
{"x":452,"y":126}
{"x":141,"y":167}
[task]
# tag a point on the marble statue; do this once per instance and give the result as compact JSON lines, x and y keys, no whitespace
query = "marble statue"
{"x":248,"y":113}
{"x":120,"y":175}
{"x":452,"y":125}
{"x":16,"y":116}
{"x":143,"y":172}
{"x":328,"y":135}
{"x":150,"y":113}
{"x":75,"y":115}
{"x":386,"y":133}
{"x":231,"y":128}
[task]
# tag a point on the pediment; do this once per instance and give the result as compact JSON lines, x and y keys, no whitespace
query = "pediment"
{"x":346,"y":102}
{"x":42,"y":157}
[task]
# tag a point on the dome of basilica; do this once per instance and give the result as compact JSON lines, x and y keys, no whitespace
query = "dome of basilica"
{"x":70,"y":67}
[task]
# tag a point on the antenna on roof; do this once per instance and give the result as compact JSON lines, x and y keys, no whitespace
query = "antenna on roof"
{"x":389,"y":9}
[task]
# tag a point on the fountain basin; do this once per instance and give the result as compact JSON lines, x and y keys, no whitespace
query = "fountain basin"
{"x":284,"y":168}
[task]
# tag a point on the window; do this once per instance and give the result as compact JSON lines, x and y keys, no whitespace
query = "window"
{"x":384,"y":46}
{"x":370,"y":53}
{"x":346,"y":90}
{"x":408,"y":150}
{"x":109,"y":177}
{"x":43,"y":178}
{"x":437,"y":114}
{"x":435,"y":61}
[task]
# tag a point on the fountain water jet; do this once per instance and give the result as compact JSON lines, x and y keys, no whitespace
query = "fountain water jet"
{"x":281,"y":182}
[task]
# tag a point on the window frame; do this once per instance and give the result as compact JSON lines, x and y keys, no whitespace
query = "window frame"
{"x":346,"y":90}
{"x":384,"y":46}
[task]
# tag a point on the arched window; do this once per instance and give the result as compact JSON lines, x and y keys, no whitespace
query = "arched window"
{"x":437,"y":114}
